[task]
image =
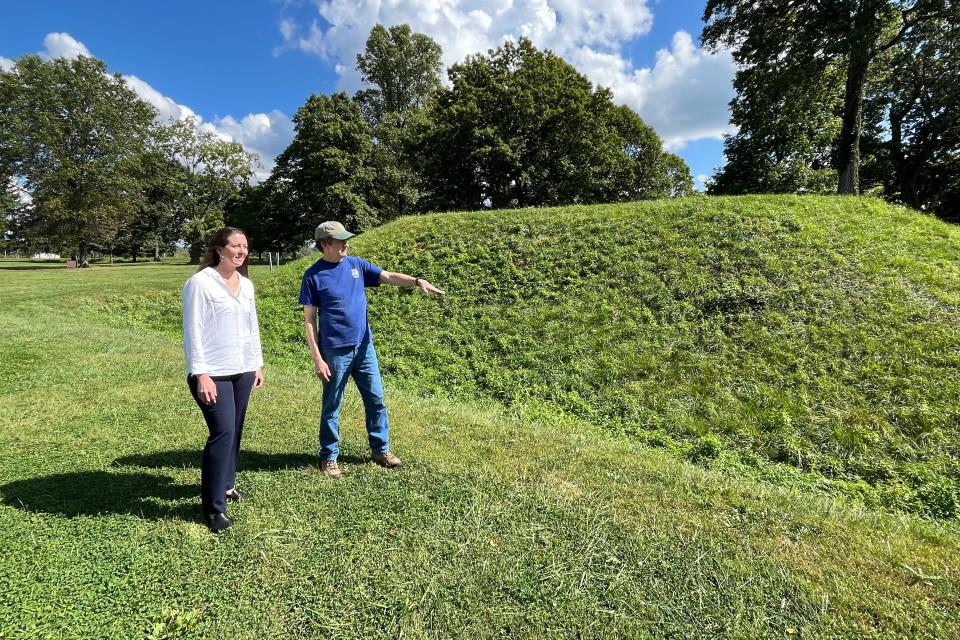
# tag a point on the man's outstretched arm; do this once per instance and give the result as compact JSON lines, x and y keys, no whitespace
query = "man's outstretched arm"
{"x":403,"y":280}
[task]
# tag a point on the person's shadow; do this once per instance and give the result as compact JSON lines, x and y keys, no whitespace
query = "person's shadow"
{"x":90,"y":493}
{"x":136,"y":492}
{"x":249,"y":460}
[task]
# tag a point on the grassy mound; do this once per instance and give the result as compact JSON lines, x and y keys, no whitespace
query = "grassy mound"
{"x":818,"y":332}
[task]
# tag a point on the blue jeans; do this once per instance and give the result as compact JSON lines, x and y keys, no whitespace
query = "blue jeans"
{"x":360,"y":362}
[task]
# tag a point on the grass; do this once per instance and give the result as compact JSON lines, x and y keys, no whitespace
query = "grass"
{"x":497,"y":526}
{"x":749,"y":333}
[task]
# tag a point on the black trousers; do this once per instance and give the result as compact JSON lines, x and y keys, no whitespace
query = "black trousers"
{"x":224,"y":419}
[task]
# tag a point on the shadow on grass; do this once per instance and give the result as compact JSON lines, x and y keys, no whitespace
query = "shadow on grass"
{"x":30,"y":267}
{"x":141,"y":263}
{"x":249,"y":460}
{"x":90,"y":493}
{"x":146,"y":495}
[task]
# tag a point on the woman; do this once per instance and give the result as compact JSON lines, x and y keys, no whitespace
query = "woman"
{"x":221,"y":342}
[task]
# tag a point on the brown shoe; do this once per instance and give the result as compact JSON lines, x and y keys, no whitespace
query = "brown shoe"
{"x":331,"y":469}
{"x":387,"y":459}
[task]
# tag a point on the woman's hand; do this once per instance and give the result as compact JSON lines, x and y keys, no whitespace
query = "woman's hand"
{"x":258,"y":379}
{"x":206,"y":389}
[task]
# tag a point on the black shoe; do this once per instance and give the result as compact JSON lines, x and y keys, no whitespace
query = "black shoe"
{"x":218,"y":522}
{"x":236,"y":495}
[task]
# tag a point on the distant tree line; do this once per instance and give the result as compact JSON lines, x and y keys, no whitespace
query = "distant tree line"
{"x":517,"y":127}
{"x":87,"y":167}
{"x":846,"y":96}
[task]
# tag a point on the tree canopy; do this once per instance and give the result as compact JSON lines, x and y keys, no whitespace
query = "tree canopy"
{"x":786,"y":130}
{"x":800,"y":41}
{"x":797,"y":131}
{"x":521,"y":127}
{"x":215,"y":171}
{"x":74,"y":134}
{"x":324,"y":173}
{"x":403,"y":68}
{"x":517,"y":127}
{"x":918,"y":97}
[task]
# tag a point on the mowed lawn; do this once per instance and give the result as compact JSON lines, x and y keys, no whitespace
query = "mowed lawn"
{"x":493,"y":528}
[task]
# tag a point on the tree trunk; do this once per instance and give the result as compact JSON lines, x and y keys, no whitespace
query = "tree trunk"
{"x":906,"y":172}
{"x":196,"y":251}
{"x":848,"y":149}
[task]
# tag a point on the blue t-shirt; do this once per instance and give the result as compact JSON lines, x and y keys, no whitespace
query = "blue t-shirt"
{"x":336,"y":290}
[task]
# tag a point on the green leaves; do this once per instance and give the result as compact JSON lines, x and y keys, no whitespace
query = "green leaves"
{"x":75,"y":134}
{"x":521,"y":127}
{"x":821,"y":84}
{"x":324,"y":174}
{"x":215,"y":172}
{"x":403,"y":68}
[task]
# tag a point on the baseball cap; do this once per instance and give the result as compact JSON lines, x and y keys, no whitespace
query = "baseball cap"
{"x":331,"y":229}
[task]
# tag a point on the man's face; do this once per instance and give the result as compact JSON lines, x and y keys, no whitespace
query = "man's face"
{"x":335,"y":250}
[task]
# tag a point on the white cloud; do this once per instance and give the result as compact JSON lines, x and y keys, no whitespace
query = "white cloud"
{"x":63,"y":45}
{"x":464,"y":27}
{"x":684,"y":96}
{"x":167,"y":108}
{"x":288,"y":28}
{"x":5,"y":64}
{"x":265,"y":134}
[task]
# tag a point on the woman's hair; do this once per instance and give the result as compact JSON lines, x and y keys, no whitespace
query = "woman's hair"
{"x":220,"y":239}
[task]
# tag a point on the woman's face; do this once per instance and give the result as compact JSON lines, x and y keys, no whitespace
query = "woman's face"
{"x":235,"y":252}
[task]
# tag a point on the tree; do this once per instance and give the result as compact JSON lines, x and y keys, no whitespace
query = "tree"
{"x":679,"y":180}
{"x":788,"y":36}
{"x":324,"y":172}
{"x":787,"y":121}
{"x":9,"y":204}
{"x":247,"y":211}
{"x":403,"y":69}
{"x":74,"y":134}
{"x":396,"y":188}
{"x":161,"y":214}
{"x":918,"y":100}
{"x":654,"y":173}
{"x":216,"y":171}
{"x":521,"y":127}
{"x":269,"y":225}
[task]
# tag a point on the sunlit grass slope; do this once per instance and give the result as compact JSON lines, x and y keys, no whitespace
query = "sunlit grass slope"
{"x":495,"y":527}
{"x":819,"y":332}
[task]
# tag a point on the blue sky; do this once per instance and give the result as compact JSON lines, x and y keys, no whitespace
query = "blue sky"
{"x":244,"y":67}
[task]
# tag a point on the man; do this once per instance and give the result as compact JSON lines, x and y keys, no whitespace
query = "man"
{"x":338,"y":333}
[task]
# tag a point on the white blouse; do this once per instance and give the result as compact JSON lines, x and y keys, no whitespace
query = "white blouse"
{"x":221,"y":336}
